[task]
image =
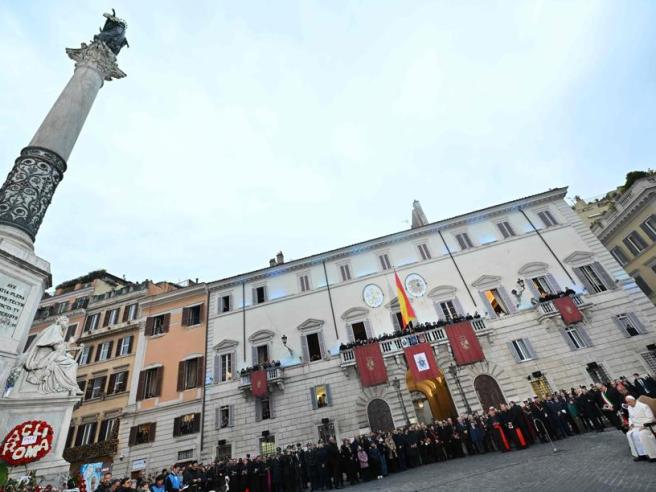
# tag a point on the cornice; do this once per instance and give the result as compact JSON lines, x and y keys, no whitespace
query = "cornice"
{"x":637,"y":204}
{"x":174,"y":295}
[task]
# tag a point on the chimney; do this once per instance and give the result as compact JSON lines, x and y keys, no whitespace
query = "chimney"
{"x":272,"y":262}
{"x":418,"y":217}
{"x":280,"y":259}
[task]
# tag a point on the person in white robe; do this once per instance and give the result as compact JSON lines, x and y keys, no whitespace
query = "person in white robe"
{"x":641,"y":440}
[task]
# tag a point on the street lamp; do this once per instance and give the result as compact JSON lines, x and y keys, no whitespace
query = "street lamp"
{"x":397,"y":386}
{"x":284,"y":342}
{"x":453,"y":370}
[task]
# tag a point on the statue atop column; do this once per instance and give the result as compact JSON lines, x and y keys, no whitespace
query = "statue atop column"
{"x":113,"y":33}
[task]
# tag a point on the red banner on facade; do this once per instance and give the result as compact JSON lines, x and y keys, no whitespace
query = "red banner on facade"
{"x":259,"y":386}
{"x":464,"y":343}
{"x":568,"y":310}
{"x":371,"y":365}
{"x":421,"y":361}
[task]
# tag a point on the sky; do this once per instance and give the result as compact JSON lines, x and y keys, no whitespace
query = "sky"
{"x":245,"y":128}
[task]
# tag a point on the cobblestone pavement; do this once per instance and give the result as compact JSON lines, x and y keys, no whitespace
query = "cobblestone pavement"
{"x":591,"y":462}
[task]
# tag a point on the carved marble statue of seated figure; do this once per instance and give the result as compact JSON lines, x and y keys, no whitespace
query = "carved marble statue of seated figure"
{"x":48,"y":363}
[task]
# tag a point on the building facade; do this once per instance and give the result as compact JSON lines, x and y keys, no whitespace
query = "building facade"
{"x":163,"y":414}
{"x":628,"y":230}
{"x":295,"y":317}
{"x":110,"y":335}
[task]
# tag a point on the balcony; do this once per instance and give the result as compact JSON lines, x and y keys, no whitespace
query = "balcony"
{"x":547,"y":309}
{"x":275,"y":376}
{"x":96,"y":450}
{"x":395,"y":346}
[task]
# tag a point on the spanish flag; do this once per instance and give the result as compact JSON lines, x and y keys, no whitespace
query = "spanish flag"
{"x":407,"y":313}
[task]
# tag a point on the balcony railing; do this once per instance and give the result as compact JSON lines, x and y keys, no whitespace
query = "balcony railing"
{"x":394,"y":346}
{"x":547,"y":309}
{"x":80,"y":454}
{"x":274,"y":375}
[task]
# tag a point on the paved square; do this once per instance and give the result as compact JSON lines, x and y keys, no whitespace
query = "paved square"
{"x":592,"y":462}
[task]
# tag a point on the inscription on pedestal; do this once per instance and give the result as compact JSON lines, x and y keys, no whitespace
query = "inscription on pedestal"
{"x":13,"y":296}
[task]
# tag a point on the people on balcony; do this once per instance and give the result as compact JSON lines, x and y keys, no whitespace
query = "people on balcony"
{"x":257,"y":367}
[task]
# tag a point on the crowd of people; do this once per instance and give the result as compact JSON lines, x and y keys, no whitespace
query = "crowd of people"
{"x":332,"y":465}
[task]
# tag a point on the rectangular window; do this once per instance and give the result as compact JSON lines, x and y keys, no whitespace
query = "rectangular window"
{"x":267,"y":445}
{"x":225,"y":416}
{"x":265,"y":408}
{"x":541,"y":284}
{"x":150,"y":383}
{"x":191,"y":316}
{"x":111,"y":317}
{"x":521,"y":350}
{"x":314,"y":347}
{"x":62,"y":307}
{"x":262,"y":352}
{"x":629,"y":324}
{"x":85,"y":355}
{"x":104,"y":351}
{"x":643,"y":285}
{"x":649,"y":226}
{"x":86,"y":434}
{"x":159,"y":325}
{"x":597,"y":373}
{"x":259,"y":295}
{"x":185,"y":455}
{"x":130,"y":313}
{"x":345,"y":271}
{"x":304,"y":281}
{"x":118,"y":383}
{"x":506,"y":229}
{"x":635,"y":243}
{"x":142,"y":434}
{"x":186,"y":424}
{"x":124,"y":346}
{"x":320,"y":396}
{"x":92,"y":322}
{"x":189,"y":375}
{"x":424,"y":252}
{"x":70,"y":332}
{"x":80,"y":303}
{"x":226,"y":367}
{"x":497,"y":303}
{"x":619,"y":255}
{"x":108,"y":429}
{"x":448,"y":309}
{"x":359,"y":331}
{"x":95,"y":388}
{"x":223,"y":451}
{"x":575,"y":338}
{"x":385,"y":263}
{"x":464,"y":241}
{"x":592,"y":279}
{"x":225,"y":304}
{"x":547,"y":218}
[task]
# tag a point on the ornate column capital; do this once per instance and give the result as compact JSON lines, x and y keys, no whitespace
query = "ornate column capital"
{"x":96,"y":56}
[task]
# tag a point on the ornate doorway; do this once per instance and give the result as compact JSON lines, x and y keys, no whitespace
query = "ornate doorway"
{"x":380,"y":416}
{"x":488,"y":391}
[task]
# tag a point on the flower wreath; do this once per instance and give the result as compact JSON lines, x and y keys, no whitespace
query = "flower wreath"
{"x":13,"y":441}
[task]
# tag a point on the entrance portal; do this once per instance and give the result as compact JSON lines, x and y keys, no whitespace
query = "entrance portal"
{"x":437,"y":395}
{"x":488,"y":391}
{"x":380,"y":416}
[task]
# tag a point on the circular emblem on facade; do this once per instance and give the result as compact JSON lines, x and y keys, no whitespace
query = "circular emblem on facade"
{"x":370,"y":363}
{"x":415,"y":285}
{"x":27,"y":442}
{"x":373,"y":295}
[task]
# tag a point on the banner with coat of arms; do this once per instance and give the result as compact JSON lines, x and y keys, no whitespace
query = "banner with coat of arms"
{"x":259,"y":386}
{"x":421,"y":361}
{"x":464,"y":343}
{"x":370,"y":363}
{"x":568,"y":310}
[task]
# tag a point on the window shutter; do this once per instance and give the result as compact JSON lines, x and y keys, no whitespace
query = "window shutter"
{"x":185,"y":316}
{"x":109,"y":350}
{"x":439,"y":312}
{"x":313,"y":399}
{"x":126,"y":312}
{"x":90,"y":358}
{"x":92,"y":433}
{"x":458,"y":306}
{"x":103,"y":385}
{"x":506,"y":299}
{"x":200,"y":368}
{"x":620,"y":326}
{"x":231,"y":414}
{"x":529,"y":347}
{"x":131,"y":338}
{"x":140,"y":386}
{"x":349,"y":332}
{"x":176,"y":426}
{"x":535,"y":294}
{"x":553,"y":285}
{"x":87,"y":323}
{"x":461,"y":241}
{"x":629,"y":245}
{"x":167,"y":322}
{"x":568,"y":340}
{"x":102,"y":435}
{"x":133,"y":436}
{"x":603,"y":275}
{"x":87,"y":393}
{"x":322,"y":346}
{"x":584,"y":281}
{"x":150,"y":322}
{"x":266,"y":294}
{"x":201,"y":313}
{"x":258,"y":409}
{"x":106,"y":319}
{"x":78,"y":437}
{"x":305,"y":348}
{"x":648,"y":231}
{"x":272,"y":413}
{"x":112,"y":381}
{"x":488,"y":306}
{"x":254,"y":355}
{"x":514,"y":353}
{"x":160,"y":377}
{"x":197,"y":422}
{"x":395,"y":321}
{"x":151,"y":434}
{"x":98,"y":352}
{"x":637,"y":323}
{"x":217,"y":368}
{"x":367,"y":327}
{"x":583,"y":333}
{"x":217,"y":417}
{"x":329,"y":398}
{"x":118,"y":347}
{"x":181,"y":371}
{"x":254,"y":297}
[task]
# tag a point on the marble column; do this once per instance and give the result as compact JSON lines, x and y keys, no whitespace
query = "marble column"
{"x":31,"y":184}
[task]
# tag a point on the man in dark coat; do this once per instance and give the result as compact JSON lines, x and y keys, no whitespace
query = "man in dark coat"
{"x":334,"y":463}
